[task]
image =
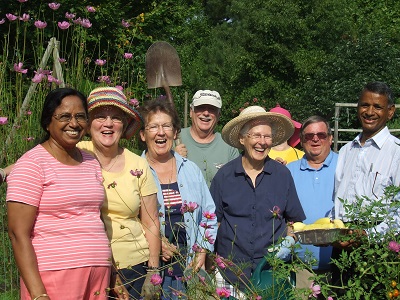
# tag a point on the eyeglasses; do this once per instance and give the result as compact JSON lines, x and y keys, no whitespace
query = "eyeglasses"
{"x":67,"y":117}
{"x":258,"y":136}
{"x":320,"y":135}
{"x":155,"y":127}
{"x":115,"y":119}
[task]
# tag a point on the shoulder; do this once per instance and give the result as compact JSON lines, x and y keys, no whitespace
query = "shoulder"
{"x":294,"y":165}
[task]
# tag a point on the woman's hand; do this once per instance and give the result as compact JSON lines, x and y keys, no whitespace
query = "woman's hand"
{"x":167,"y":250}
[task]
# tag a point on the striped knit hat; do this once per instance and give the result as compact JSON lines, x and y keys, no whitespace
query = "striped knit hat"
{"x":106,"y":96}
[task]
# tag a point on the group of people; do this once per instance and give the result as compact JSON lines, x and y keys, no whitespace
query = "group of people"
{"x":91,"y":218}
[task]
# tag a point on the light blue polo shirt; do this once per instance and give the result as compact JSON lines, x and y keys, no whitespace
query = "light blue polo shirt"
{"x":315,"y":189}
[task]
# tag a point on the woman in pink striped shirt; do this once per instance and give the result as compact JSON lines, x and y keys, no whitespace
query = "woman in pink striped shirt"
{"x":54,"y":196}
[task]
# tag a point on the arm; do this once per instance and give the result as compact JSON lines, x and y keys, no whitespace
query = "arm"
{"x":5,"y":172}
{"x":21,"y":218}
{"x":151,"y":226}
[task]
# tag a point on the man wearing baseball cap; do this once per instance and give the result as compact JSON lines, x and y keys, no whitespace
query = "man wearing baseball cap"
{"x":204,"y":146}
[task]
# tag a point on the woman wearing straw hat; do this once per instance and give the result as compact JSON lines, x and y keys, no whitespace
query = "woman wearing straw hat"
{"x":130,"y":209}
{"x":255,"y":196}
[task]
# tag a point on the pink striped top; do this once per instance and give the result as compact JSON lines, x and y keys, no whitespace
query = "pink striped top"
{"x":68,"y":232}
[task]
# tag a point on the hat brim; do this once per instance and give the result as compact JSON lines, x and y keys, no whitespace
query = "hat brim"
{"x":134,"y":118}
{"x":283,"y":127}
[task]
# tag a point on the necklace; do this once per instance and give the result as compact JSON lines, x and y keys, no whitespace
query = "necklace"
{"x":113,"y":162}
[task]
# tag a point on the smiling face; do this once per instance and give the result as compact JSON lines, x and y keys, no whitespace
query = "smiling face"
{"x":106,"y":128}
{"x":373,"y":112}
{"x":67,"y":134}
{"x":158,"y":134}
{"x":204,"y":118}
{"x":316,"y":149}
{"x":257,"y":142}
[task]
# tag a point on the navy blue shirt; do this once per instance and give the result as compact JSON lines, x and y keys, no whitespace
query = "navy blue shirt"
{"x":247,"y":225}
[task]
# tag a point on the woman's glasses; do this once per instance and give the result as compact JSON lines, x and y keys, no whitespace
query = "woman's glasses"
{"x":114,"y":119}
{"x":67,"y":117}
{"x":155,"y":127}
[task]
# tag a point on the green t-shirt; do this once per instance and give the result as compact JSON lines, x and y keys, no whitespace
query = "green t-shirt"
{"x":209,"y":157}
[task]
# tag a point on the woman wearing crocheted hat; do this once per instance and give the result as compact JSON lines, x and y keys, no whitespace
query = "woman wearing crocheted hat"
{"x":130,"y":209}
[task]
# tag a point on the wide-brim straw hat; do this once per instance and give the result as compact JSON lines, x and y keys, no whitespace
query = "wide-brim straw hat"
{"x":111,"y":96}
{"x":283,"y":126}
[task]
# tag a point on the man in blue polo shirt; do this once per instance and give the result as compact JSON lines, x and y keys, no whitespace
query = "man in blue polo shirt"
{"x":314,"y":177}
{"x":255,"y":196}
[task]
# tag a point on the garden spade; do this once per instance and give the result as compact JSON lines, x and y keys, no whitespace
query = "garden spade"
{"x":163,"y":69}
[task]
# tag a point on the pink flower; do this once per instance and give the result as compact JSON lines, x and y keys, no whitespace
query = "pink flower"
{"x":70,"y":16}
{"x":258,"y":298}
{"x":394,"y":246}
{"x":63,"y":25}
{"x":315,"y":290}
{"x":104,"y":78}
{"x":50,"y":78}
{"x":134,"y":102}
{"x":329,"y":298}
{"x":100,"y":62}
{"x":205,"y":225}
{"x":39,"y":24}
{"x":38,"y":77}
{"x":86,"y":23}
{"x":276,"y":212}
{"x":208,"y":237}
{"x":2,"y":21}
{"x":209,"y":215}
{"x":11,"y":17}
{"x":77,"y":21}
{"x":189,"y":207}
{"x":18,"y":68}
{"x":54,"y":5}
{"x":223,"y":292}
{"x":24,"y":18}
{"x":196,"y":248}
{"x":128,"y":55}
{"x":29,"y":139}
{"x":136,"y":173}
{"x":28,"y":113}
{"x":220,"y":262}
{"x":125,"y":23}
{"x":90,"y":9}
{"x":155,"y":279}
{"x":62,"y":60}
{"x":120,"y":87}
{"x":3,"y":120}
{"x":22,"y":1}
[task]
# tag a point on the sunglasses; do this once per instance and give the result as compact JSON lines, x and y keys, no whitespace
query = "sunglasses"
{"x":310,"y":136}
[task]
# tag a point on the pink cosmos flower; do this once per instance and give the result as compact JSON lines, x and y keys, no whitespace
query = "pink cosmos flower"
{"x":394,"y":246}
{"x":196,"y":248}
{"x":24,"y":18}
{"x":90,"y":9}
{"x":189,"y":207}
{"x":22,"y":1}
{"x":70,"y":16}
{"x":86,"y":23}
{"x":205,"y":225}
{"x":136,"y":173}
{"x":276,"y":212}
{"x":220,"y":262}
{"x":62,"y":60}
{"x":29,"y":139}
{"x":223,"y":292}
{"x":39,"y":24}
{"x":11,"y":17}
{"x":63,"y":25}
{"x":3,"y":120}
{"x":28,"y":113}
{"x":54,"y":5}
{"x":100,"y":62}
{"x":18,"y":68}
{"x":77,"y":21}
{"x":128,"y":55}
{"x":315,"y":290}
{"x":208,"y":237}
{"x":134,"y":102}
{"x":258,"y":298}
{"x":2,"y":21}
{"x":125,"y":23}
{"x":104,"y":78}
{"x":156,"y":279}
{"x":120,"y":87}
{"x":52,"y":79}
{"x":38,"y":77}
{"x":329,"y":298}
{"x":209,"y":215}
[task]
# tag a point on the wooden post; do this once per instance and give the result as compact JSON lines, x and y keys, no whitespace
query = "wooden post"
{"x":336,"y":132}
{"x":185,"y":117}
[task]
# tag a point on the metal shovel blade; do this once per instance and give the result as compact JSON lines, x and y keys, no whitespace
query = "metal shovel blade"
{"x":163,"y":67}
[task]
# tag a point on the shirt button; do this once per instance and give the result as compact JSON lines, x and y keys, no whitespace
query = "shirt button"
{"x":254,"y":207}
{"x":253,"y":224}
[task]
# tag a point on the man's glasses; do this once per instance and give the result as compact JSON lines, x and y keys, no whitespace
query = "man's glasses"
{"x":310,"y":136}
{"x":257,"y":136}
{"x":114,"y":119}
{"x":67,"y":117}
{"x":155,"y":127}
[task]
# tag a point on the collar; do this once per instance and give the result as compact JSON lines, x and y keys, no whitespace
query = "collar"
{"x":268,"y":165}
{"x":304,"y":164}
{"x":378,"y":139}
